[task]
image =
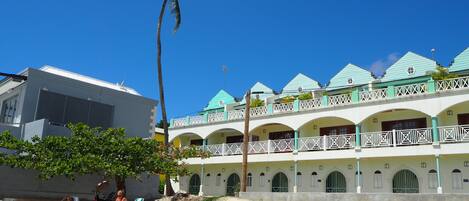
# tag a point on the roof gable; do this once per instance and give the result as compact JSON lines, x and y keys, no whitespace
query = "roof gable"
{"x":263,"y":92}
{"x":220,"y":100}
{"x":460,"y":62}
{"x":402,"y":68}
{"x":350,"y":72}
{"x":300,"y":81}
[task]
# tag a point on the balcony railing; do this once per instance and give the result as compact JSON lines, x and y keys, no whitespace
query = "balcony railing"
{"x":394,"y":138}
{"x":390,"y":92}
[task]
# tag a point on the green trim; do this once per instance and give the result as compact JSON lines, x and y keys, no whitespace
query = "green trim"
{"x":357,"y":136}
{"x":296,"y":105}
{"x":325,"y":101}
{"x":431,"y":86}
{"x":296,"y":141}
{"x":436,"y":136}
{"x":438,"y":177}
{"x":403,"y":81}
{"x":225,"y":115}
{"x":188,"y":120}
{"x":390,"y":91}
{"x":270,"y":108}
{"x":355,"y":96}
{"x":206,"y":117}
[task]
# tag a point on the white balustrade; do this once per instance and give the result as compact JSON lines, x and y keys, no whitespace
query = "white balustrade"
{"x":411,"y":89}
{"x":233,"y":149}
{"x":310,"y":104}
{"x":215,"y":149}
{"x":258,"y":111}
{"x":413,"y":136}
{"x":216,"y":117}
{"x":341,"y":99}
{"x":258,"y":147}
{"x":194,"y":120}
{"x":310,"y":143}
{"x":458,"y":133}
{"x":377,"y":94}
{"x":340,"y":141}
{"x":282,"y":145}
{"x":283,"y":107}
{"x":180,"y":122}
{"x":376,"y":139}
{"x":452,"y":84}
{"x":235,"y":114}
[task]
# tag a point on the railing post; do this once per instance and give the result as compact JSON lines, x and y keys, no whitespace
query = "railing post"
{"x":324,"y":142}
{"x":325,"y":100}
{"x":188,"y":120}
{"x":204,"y":144}
{"x":431,"y":85}
{"x":438,"y":177}
{"x":390,"y":92}
{"x":394,"y":138}
{"x":295,"y":142}
{"x":223,"y":149}
{"x":436,"y":135}
{"x":268,"y":147}
{"x":296,"y":105}
{"x":171,"y":123}
{"x":357,"y":136}
{"x":205,"y":117}
{"x":270,"y":108}
{"x":225,"y":115}
{"x":355,"y":96}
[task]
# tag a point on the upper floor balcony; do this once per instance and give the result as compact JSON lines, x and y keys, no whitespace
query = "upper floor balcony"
{"x":352,"y":96}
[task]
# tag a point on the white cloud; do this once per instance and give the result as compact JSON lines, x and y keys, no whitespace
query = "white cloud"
{"x":379,"y":67}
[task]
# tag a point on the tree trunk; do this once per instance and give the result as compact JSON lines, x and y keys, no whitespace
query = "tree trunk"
{"x":120,"y":183}
{"x":169,"y":188}
{"x":244,"y":167}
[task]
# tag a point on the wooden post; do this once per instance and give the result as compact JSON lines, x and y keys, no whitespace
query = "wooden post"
{"x":245,"y":142}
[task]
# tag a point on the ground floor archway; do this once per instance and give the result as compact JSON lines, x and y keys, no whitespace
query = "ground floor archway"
{"x":405,"y":181}
{"x":194,"y":184}
{"x":336,"y":183}
{"x":232,"y":184}
{"x":280,"y":183}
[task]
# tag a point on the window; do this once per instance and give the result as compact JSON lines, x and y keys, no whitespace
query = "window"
{"x":221,"y":103}
{"x":218,"y":181}
{"x":262,"y":179}
{"x":207,"y":180}
{"x":298,"y":179}
{"x":378,"y":179}
{"x":432,"y":180}
{"x":9,"y":107}
{"x":314,"y":179}
{"x":249,"y":179}
{"x":410,"y":70}
{"x":457,"y":179}
{"x":350,"y":81}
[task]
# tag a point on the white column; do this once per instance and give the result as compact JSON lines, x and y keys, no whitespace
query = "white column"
{"x":438,"y":176}
{"x":202,"y":180}
{"x":359,"y":187}
{"x":295,"y":176}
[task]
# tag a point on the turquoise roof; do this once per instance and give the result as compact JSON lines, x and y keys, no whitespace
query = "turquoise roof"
{"x":460,"y":62}
{"x":220,"y":100}
{"x":259,"y":87}
{"x":300,"y":81}
{"x":358,"y":75}
{"x":399,"y":70}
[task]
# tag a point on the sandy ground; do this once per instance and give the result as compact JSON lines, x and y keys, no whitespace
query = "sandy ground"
{"x":198,"y":198}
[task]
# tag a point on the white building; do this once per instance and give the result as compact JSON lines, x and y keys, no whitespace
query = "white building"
{"x":404,"y":133}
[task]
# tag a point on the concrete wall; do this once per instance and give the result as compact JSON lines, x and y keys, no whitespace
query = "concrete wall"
{"x":267,"y":196}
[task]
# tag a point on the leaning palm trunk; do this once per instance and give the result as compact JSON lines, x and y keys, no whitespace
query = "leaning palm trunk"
{"x":175,"y":10}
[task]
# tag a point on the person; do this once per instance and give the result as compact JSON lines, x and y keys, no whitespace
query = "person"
{"x":67,"y":198}
{"x":121,"y":196}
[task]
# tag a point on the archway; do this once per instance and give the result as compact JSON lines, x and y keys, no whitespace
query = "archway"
{"x":232,"y":184}
{"x":405,"y":181}
{"x":281,"y":136}
{"x":336,"y":183}
{"x":280,"y":183}
{"x":339,"y":132}
{"x":194,"y":184}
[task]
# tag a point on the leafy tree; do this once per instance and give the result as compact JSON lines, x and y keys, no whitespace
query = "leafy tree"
{"x":257,"y":103}
{"x":95,"y":151}
{"x":305,"y":96}
{"x":287,"y":99}
{"x":442,"y":73}
{"x":176,"y":11}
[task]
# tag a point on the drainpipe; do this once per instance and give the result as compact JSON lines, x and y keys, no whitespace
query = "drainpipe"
{"x":437,"y":160}
{"x":359,"y":187}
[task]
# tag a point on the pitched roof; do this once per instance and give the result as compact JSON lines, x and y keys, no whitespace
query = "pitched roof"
{"x":460,"y":62}
{"x":400,"y":69}
{"x":300,"y":81}
{"x":220,"y":100}
{"x":263,"y":92}
{"x":357,"y":75}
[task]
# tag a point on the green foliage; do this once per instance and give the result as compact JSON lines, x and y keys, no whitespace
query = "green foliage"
{"x":288,"y":99}
{"x":442,"y":73}
{"x":93,"y":150}
{"x":257,"y":102}
{"x":305,"y":96}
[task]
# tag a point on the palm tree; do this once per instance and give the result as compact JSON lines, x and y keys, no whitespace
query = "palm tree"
{"x":177,"y":14}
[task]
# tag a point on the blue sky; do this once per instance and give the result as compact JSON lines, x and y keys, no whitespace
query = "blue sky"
{"x":262,"y":40}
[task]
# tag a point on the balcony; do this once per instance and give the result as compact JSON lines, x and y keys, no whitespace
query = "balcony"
{"x":356,"y":97}
{"x":369,"y":140}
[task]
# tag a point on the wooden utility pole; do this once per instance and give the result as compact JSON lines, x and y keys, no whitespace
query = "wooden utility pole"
{"x":244,"y":175}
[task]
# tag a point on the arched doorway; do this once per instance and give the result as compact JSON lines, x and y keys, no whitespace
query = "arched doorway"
{"x":405,"y":181}
{"x":336,"y":183}
{"x":233,"y":184}
{"x":194,"y":184}
{"x":280,"y":183}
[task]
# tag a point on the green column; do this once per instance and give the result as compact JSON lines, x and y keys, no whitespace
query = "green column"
{"x":390,"y":92}
{"x":225,"y":115}
{"x":357,"y":136}
{"x":435,"y":132}
{"x":204,"y":144}
{"x":296,"y":141}
{"x":270,"y":108}
{"x":205,"y":117}
{"x":188,"y":120}
{"x":355,"y":96}
{"x":325,"y":101}
{"x":296,"y":105}
{"x":171,"y":123}
{"x":431,"y":86}
{"x":437,"y":160}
